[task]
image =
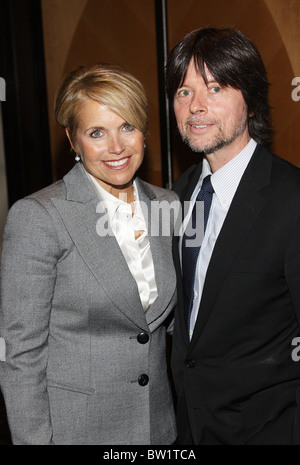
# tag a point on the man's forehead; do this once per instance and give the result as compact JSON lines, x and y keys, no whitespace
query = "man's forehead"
{"x":194,"y":73}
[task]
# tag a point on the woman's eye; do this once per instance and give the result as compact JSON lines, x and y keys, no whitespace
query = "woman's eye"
{"x":128,"y":127}
{"x":96,"y":133}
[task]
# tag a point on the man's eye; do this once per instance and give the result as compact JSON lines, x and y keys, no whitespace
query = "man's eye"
{"x":216,"y":89}
{"x":183,"y":93}
{"x":96,"y":133}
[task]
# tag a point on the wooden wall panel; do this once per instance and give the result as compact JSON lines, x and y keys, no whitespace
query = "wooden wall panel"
{"x":273,"y":25}
{"x":117,"y":31}
{"x":123,"y":32}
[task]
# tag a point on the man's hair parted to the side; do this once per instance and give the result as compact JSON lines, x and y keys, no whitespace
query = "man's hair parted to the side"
{"x":233,"y":60}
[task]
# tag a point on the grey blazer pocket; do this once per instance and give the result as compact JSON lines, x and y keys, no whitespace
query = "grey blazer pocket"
{"x":70,"y":387}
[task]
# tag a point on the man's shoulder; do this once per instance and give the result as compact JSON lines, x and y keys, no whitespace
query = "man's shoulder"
{"x":280,"y":175}
{"x":285,"y":171}
{"x":284,"y":164}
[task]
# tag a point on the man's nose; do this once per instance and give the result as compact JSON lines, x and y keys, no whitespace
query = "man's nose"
{"x":199,"y":103}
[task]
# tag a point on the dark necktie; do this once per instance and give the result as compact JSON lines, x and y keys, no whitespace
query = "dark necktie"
{"x":190,"y":251}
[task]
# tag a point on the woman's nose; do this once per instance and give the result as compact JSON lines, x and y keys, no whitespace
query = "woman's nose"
{"x":115,"y":145}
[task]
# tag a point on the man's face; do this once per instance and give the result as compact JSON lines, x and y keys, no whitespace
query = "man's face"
{"x":211,"y":119}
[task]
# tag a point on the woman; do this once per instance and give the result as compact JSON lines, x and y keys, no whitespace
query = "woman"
{"x":86,"y":290}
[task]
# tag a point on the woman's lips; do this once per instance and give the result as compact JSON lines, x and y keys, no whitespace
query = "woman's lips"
{"x":117,"y":164}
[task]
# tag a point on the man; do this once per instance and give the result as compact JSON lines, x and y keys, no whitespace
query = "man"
{"x":239,"y":298}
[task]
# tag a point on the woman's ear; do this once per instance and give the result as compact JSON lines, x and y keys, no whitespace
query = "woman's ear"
{"x":69,"y":137}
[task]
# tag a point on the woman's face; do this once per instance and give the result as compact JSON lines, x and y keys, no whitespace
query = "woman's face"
{"x":111,"y":150}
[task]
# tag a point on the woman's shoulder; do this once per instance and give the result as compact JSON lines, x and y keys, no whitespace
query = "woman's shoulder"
{"x":34,"y":208}
{"x":42,"y":196}
{"x":38,"y":204}
{"x":57,"y":189}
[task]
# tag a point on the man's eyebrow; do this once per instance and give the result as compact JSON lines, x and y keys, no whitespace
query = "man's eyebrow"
{"x":212,"y":81}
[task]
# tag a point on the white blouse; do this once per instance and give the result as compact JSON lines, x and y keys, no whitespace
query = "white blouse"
{"x":137,"y":252}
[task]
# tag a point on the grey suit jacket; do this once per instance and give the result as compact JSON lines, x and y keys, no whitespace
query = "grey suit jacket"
{"x":71,"y":317}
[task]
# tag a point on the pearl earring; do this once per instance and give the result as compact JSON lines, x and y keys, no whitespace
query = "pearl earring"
{"x":77,"y":158}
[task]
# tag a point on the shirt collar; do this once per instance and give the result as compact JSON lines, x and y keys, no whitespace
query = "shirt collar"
{"x":113,"y":203}
{"x":225,"y":180}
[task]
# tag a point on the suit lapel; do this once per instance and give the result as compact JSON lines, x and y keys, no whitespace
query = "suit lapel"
{"x":191,"y":184}
{"x":162,"y":257}
{"x":102,"y":254}
{"x":244,"y":210}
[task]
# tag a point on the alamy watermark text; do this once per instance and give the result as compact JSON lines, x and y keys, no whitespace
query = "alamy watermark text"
{"x":296,"y":91}
{"x":166,"y":220}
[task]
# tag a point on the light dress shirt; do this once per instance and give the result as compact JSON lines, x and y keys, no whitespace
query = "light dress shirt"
{"x":137,"y":252}
{"x":225,"y":182}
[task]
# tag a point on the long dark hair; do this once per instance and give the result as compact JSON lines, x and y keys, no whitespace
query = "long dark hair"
{"x":234,"y":61}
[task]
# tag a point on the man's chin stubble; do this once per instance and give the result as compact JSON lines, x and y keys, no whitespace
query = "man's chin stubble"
{"x":206,"y":149}
{"x":217,"y":144}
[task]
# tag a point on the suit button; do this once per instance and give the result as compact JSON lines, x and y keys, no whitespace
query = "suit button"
{"x":143,"y":338}
{"x":143,"y":380}
{"x":190,"y":363}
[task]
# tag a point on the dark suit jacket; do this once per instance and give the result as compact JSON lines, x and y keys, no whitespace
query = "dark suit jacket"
{"x":236,"y":381}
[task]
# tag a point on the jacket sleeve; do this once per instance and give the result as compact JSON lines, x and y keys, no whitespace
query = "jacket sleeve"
{"x":29,"y":256}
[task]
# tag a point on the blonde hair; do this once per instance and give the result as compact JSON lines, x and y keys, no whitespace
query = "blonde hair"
{"x":106,"y":84}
